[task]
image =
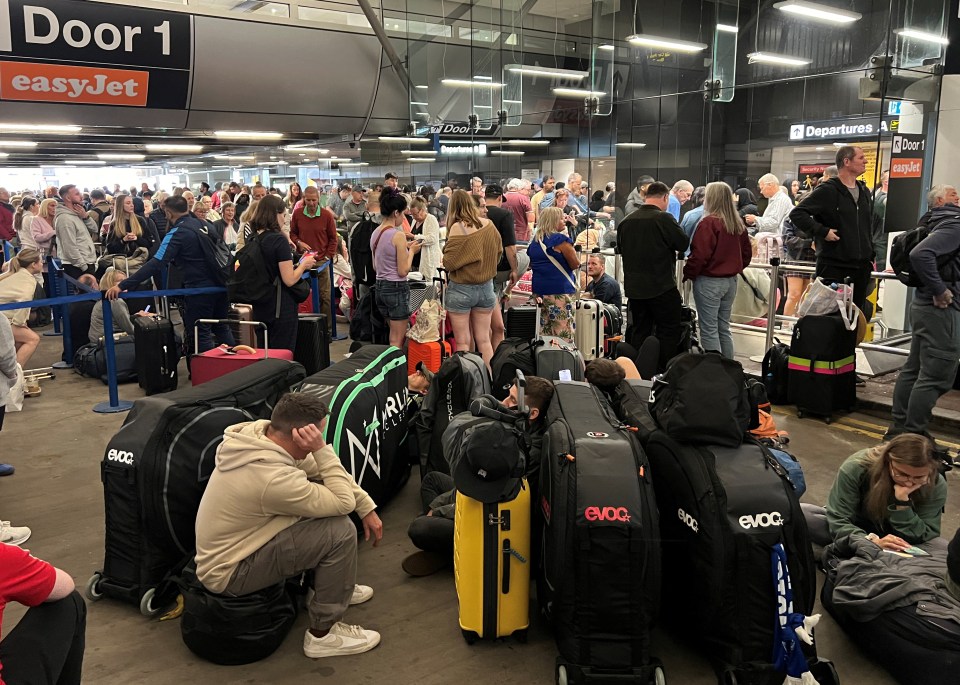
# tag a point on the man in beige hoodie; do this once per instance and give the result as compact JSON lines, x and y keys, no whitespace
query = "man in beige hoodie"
{"x":276,"y":505}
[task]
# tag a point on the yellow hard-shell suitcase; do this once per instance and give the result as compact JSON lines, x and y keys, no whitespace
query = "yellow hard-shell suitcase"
{"x":491,"y":555}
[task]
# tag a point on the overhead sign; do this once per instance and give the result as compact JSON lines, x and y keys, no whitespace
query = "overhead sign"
{"x":479,"y":149}
{"x":463,"y":128}
{"x":859,"y":127}
{"x":894,"y":107}
{"x":93,"y":53}
{"x":907,"y":156}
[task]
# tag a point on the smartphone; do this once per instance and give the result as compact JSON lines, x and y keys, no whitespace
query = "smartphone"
{"x":916,"y":551}
{"x":129,"y":228}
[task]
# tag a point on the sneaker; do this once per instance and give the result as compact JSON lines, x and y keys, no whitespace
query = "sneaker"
{"x":6,"y":469}
{"x":420,"y":564}
{"x":342,"y":639}
{"x":361,"y":594}
{"x":13,"y":535}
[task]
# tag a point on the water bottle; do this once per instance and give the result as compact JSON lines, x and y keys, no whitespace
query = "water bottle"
{"x":768,"y":384}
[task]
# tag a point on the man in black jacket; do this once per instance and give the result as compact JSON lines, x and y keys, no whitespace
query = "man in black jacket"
{"x":838,"y":216}
{"x":649,"y":240}
{"x":935,"y":319}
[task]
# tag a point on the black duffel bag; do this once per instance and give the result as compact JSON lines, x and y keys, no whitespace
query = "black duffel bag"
{"x":234,"y":630}
{"x":702,"y":398}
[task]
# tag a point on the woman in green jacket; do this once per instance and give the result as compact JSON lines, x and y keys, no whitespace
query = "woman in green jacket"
{"x":892,"y":494}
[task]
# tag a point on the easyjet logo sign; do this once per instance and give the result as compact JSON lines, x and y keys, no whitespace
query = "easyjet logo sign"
{"x":35,"y":82}
{"x":906,"y":168}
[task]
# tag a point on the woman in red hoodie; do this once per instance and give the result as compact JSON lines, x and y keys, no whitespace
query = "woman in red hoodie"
{"x":719,"y":253}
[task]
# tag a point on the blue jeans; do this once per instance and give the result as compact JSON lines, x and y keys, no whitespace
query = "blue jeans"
{"x":209,"y":306}
{"x":930,"y":368}
{"x":714,"y":298}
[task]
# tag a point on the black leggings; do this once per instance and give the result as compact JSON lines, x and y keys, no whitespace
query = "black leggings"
{"x":46,"y":647}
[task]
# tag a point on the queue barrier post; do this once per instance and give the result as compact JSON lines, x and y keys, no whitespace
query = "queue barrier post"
{"x":333,"y":307}
{"x":315,"y":291}
{"x":59,"y":285}
{"x":115,"y":404}
{"x":772,"y":300}
{"x":49,"y":290}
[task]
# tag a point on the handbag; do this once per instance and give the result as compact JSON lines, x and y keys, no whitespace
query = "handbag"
{"x":124,"y":263}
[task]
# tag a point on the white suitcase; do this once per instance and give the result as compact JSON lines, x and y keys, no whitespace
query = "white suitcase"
{"x":589,"y":332}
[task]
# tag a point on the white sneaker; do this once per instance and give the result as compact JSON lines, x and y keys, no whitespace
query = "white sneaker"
{"x":342,"y":639}
{"x":17,"y":535}
{"x":361,"y":594}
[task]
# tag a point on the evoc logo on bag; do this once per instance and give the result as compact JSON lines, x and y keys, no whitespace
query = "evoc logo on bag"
{"x":764,"y":520}
{"x":120,"y":456}
{"x":688,"y":520}
{"x":606,"y":514}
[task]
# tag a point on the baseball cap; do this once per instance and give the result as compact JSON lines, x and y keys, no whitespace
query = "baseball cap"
{"x":493,"y":190}
{"x":387,"y":176}
{"x":491,"y":468}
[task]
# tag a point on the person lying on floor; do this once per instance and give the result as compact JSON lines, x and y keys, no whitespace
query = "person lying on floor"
{"x":276,"y":505}
{"x":892,"y":494}
{"x":432,"y":532}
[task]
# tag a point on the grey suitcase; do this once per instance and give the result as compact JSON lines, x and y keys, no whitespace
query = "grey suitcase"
{"x":554,"y":355}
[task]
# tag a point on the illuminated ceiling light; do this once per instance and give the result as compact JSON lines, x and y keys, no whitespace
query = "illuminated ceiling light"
{"x":237,"y":158}
{"x":606,"y":46}
{"x":482,"y":78}
{"x":555,"y":72}
{"x":188,"y":163}
{"x":415,"y":160}
{"x":4,"y":154}
{"x":632,"y":145}
{"x":783,"y":60}
{"x":464,"y":83}
{"x":355,"y":164}
{"x":39,"y":128}
{"x":508,"y":153}
{"x":73,"y":162}
{"x":728,"y":28}
{"x":120,"y":157}
{"x":422,"y":87}
{"x":404,"y":139}
{"x":311,"y":148}
{"x":522,"y":143}
{"x":924,"y":36}
{"x":249,"y":135}
{"x":421,"y":104}
{"x":164,"y":147}
{"x":335,"y":159}
{"x":418,"y":152}
{"x":812,"y":10}
{"x":514,"y":102}
{"x":579,"y":91}
{"x":649,"y":41}
{"x":17,"y":143}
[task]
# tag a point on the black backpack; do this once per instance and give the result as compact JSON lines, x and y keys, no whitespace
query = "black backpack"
{"x":775,"y":370}
{"x":361,"y":256}
{"x":903,"y":245}
{"x":512,"y":355}
{"x":249,"y":281}
{"x":702,"y":398}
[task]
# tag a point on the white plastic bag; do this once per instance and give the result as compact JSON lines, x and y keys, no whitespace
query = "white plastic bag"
{"x":820,"y":299}
{"x":15,"y":398}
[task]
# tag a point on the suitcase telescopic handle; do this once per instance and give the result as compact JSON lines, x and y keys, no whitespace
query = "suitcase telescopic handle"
{"x":261,"y":324}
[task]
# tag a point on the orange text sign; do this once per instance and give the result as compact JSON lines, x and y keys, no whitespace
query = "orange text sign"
{"x":36,"y":82}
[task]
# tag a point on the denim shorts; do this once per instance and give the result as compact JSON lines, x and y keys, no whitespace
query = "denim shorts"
{"x":393,"y":299}
{"x":462,"y":297}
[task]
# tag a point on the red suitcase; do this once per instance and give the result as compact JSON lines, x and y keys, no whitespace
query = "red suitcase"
{"x":222,"y":360}
{"x":431,"y":354}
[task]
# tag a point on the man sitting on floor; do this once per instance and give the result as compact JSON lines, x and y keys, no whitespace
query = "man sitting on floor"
{"x":277,"y":505}
{"x":432,"y":532}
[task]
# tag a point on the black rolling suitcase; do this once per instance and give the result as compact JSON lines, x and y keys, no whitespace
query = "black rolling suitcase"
{"x":367,"y":427}
{"x":599,"y":577}
{"x":822,"y":366}
{"x":312,"y":348}
{"x":157,"y":354}
{"x":462,"y":378}
{"x":522,"y":322}
{"x":155,"y":469}
{"x":725,"y":509}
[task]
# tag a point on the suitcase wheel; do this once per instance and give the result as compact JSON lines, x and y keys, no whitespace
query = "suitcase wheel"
{"x":659,"y":678}
{"x":562,"y":675}
{"x":470,"y":636}
{"x":146,"y":604}
{"x":728,"y":678}
{"x":799,"y":413}
{"x":93,"y":590}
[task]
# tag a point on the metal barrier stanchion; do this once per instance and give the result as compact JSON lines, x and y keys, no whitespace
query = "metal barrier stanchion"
{"x":115,"y":404}
{"x":57,"y":311}
{"x":315,"y":291}
{"x":333,"y":306}
{"x":772,"y":301}
{"x":58,"y":282}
